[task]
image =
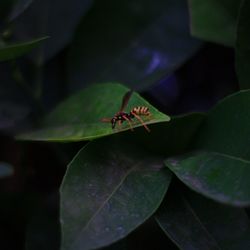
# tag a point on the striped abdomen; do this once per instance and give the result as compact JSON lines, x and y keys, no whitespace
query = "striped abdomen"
{"x":140,"y":110}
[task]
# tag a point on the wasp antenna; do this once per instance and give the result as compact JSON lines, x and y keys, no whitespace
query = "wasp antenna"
{"x":105,"y":120}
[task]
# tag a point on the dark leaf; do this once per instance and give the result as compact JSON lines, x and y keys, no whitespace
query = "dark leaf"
{"x":221,"y":177}
{"x":110,"y":188}
{"x":194,"y":222}
{"x":226,"y":129}
{"x":56,"y":19}
{"x":135,"y":42}
{"x":222,"y":173}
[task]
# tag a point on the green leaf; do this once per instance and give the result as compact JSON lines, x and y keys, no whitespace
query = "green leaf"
{"x":79,"y":117}
{"x":138,"y":50}
{"x":214,"y":20}
{"x":110,"y":188}
{"x":223,"y":172}
{"x":221,"y":177}
{"x":9,"y":52}
{"x":226,"y":129}
{"x":194,"y":222}
{"x":5,"y":169}
{"x":243,"y":46}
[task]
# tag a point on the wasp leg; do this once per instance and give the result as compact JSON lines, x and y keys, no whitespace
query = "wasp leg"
{"x":141,"y":121}
{"x":150,"y":115}
{"x":119,"y":123}
{"x":131,"y":128}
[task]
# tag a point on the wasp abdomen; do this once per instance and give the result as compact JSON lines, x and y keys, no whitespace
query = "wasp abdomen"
{"x":140,"y":110}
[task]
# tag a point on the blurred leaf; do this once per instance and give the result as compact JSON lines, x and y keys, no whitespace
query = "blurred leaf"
{"x":172,"y":138}
{"x":79,"y":117}
{"x":13,"y":51}
{"x":19,"y":7}
{"x":56,"y":19}
{"x":138,"y":50}
{"x":221,"y":177}
{"x":214,"y":20}
{"x":110,"y":188}
{"x":197,"y":223}
{"x":6,"y":169}
{"x":243,"y":46}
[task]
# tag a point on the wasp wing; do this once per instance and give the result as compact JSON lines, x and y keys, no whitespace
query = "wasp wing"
{"x":125,"y":100}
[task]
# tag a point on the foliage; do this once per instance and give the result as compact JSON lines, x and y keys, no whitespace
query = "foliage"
{"x":74,"y":182}
{"x":215,"y":21}
{"x":14,"y":51}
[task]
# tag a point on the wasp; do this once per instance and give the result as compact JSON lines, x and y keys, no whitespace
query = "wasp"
{"x":135,"y":113}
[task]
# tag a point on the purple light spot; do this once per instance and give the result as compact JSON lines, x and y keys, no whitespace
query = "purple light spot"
{"x":155,"y":62}
{"x":155,"y":59}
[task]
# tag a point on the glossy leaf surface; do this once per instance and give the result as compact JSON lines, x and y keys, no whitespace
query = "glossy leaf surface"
{"x":221,"y":173}
{"x":194,"y":222}
{"x":214,"y":20}
{"x":138,"y":50}
{"x":79,"y":117}
{"x":110,"y":188}
{"x":221,"y":177}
